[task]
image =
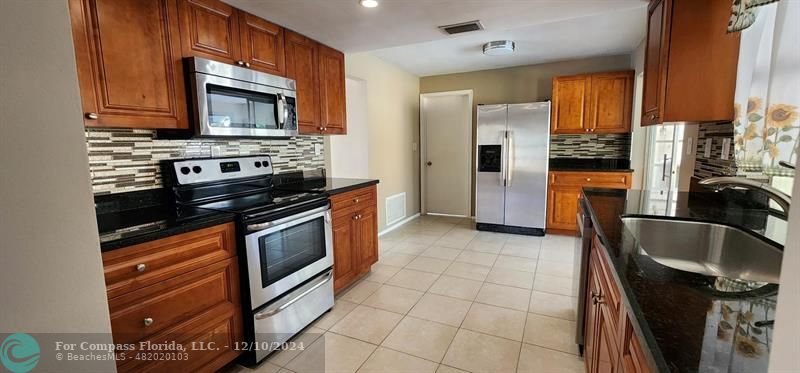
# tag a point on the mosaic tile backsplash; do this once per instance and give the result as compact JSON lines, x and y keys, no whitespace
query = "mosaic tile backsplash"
{"x":125,"y":160}
{"x":714,"y":165}
{"x":591,"y":146}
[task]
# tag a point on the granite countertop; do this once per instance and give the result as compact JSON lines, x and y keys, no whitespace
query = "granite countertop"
{"x":684,"y":326}
{"x":127,"y":219}
{"x":590,"y":164}
{"x":328,"y":185}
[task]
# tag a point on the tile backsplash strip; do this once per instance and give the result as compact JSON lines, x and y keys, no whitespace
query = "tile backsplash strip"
{"x":714,"y":165}
{"x":591,"y":146}
{"x":125,"y":160}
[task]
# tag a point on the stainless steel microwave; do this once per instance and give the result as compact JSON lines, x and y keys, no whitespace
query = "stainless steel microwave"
{"x":232,"y":101}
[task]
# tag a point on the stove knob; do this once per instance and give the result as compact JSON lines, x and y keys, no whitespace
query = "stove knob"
{"x":265,"y":163}
{"x":258,"y":164}
{"x":185,"y":170}
{"x":197,"y":169}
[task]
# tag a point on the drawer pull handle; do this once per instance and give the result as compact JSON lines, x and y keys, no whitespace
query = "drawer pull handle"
{"x":148,"y":321}
{"x":274,"y":311}
{"x":141,"y":267}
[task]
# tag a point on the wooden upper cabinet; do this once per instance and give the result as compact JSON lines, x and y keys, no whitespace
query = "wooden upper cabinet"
{"x":302,"y":62}
{"x":128,"y":77}
{"x":592,"y":103}
{"x":654,"y":59}
{"x":262,"y":44}
{"x":610,"y":99}
{"x":333,"y":115}
{"x":570,"y":94}
{"x":690,"y":62}
{"x":210,"y":29}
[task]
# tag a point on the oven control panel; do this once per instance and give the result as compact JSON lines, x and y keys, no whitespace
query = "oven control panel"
{"x":192,"y":171}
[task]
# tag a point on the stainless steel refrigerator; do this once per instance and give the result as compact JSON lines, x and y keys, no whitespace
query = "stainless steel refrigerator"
{"x":512,"y":155}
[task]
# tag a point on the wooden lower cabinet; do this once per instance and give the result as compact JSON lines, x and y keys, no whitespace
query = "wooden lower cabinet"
{"x":564,"y":193}
{"x":610,"y":346}
{"x":355,"y":235}
{"x":182,"y":289}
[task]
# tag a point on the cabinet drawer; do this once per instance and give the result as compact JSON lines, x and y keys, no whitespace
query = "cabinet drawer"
{"x":146,"y":264}
{"x":620,"y":180}
{"x":354,"y":200}
{"x":144,"y":312}
{"x":221,"y":326}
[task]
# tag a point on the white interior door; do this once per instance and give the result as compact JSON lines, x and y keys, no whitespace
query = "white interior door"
{"x":446,"y":157}
{"x":350,"y":153}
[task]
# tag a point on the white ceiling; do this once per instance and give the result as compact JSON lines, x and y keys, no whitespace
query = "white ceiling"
{"x":404,"y":32}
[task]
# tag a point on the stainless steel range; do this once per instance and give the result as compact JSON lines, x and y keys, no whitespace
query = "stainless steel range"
{"x":284,"y":241}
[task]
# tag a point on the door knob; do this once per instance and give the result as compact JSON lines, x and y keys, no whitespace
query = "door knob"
{"x":429,"y":163}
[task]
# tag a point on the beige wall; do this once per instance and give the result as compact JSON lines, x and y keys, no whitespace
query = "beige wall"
{"x":517,"y":84}
{"x":393,"y":121}
{"x":51,"y":277}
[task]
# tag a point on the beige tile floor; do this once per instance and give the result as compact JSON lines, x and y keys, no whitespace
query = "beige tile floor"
{"x":446,"y":298}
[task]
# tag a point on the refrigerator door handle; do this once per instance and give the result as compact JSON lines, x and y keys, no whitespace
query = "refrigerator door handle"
{"x":504,"y":159}
{"x":511,"y":154}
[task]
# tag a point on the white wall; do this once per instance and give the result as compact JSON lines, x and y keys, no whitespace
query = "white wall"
{"x":638,"y":133}
{"x":51,"y":277}
{"x":349,"y":155}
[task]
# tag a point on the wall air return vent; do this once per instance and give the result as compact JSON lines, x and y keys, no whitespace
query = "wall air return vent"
{"x":459,"y":28}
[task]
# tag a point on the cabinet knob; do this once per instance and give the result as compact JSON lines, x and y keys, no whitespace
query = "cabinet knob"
{"x":148,"y":321}
{"x":586,"y":130}
{"x":247,"y":64}
{"x":141,"y":267}
{"x":597,"y":300}
{"x":356,"y":217}
{"x":588,"y":179}
{"x":652,"y":116}
{"x":91,"y":115}
{"x":355,"y":200}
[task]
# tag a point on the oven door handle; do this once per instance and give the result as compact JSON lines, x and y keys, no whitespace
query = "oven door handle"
{"x":276,"y":310}
{"x":269,"y":224}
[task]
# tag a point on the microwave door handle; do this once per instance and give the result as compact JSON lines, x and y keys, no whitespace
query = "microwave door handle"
{"x":282,"y":114}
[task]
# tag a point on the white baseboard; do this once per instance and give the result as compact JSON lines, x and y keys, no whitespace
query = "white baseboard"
{"x":398,"y":224}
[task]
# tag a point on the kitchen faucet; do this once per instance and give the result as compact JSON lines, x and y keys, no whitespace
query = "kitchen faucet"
{"x":724,"y":182}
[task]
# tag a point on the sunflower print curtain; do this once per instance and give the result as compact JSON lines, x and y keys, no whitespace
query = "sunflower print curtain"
{"x":767,"y":99}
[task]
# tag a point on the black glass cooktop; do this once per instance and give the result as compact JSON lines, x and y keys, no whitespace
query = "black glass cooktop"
{"x":264,"y":201}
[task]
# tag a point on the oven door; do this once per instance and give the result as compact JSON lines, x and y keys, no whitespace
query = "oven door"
{"x":287,"y":252}
{"x":230,"y":107}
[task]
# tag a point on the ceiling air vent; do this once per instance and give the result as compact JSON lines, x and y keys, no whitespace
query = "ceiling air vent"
{"x":459,"y":28}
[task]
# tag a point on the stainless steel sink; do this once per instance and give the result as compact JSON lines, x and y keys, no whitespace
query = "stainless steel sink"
{"x":707,"y":248}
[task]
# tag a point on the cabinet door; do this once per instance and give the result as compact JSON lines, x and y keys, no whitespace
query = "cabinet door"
{"x":127,"y":77}
{"x":562,"y":207}
{"x":302,"y":61}
{"x":210,"y":29}
{"x":610,"y":101}
{"x":591,"y":318}
{"x":570,"y":104}
{"x":345,"y":261}
{"x":633,"y":359}
{"x":262,"y":44}
{"x":367,"y":238}
{"x":332,"y":91}
{"x":656,"y":51}
{"x":606,"y":343}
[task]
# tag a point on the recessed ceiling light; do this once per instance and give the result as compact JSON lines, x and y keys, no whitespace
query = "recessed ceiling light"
{"x":368,"y":3}
{"x":499,"y":47}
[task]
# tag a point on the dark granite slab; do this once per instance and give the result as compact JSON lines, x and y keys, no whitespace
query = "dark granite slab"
{"x":683,"y":323}
{"x":126,"y":219}
{"x":328,"y":185}
{"x":593,"y":164}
